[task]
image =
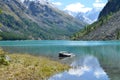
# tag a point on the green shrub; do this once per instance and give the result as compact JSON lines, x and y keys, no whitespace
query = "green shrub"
{"x":28,"y":67}
{"x":4,"y":59}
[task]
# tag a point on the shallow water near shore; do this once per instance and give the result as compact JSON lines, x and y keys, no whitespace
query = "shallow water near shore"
{"x":87,"y":68}
{"x":93,"y":60}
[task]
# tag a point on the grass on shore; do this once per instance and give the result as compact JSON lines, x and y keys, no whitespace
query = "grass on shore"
{"x":28,"y":67}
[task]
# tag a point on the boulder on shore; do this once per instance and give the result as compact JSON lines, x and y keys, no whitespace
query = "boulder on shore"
{"x":65,"y":54}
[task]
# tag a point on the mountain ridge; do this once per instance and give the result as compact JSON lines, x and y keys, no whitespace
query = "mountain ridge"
{"x":106,"y":28}
{"x":35,"y":21}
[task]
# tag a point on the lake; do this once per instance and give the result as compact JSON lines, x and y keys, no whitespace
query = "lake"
{"x":93,"y":60}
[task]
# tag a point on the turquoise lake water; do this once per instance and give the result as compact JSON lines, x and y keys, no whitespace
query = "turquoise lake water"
{"x":93,"y":60}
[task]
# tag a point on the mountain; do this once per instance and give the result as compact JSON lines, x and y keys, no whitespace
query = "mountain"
{"x":84,"y":18}
{"x":106,"y":28}
{"x":36,"y":19}
{"x":88,"y":17}
{"x":111,"y":7}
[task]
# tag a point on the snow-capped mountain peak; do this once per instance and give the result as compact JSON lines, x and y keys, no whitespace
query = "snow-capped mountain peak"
{"x":84,"y":18}
{"x":88,"y":17}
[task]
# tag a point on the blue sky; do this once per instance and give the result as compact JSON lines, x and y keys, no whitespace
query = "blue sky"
{"x":79,"y":5}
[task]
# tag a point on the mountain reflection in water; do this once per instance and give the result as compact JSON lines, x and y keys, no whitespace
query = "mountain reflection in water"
{"x":87,"y":68}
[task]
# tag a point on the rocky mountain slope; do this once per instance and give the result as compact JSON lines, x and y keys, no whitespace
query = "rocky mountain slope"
{"x":106,"y":28}
{"x":111,"y":7}
{"x":35,"y":20}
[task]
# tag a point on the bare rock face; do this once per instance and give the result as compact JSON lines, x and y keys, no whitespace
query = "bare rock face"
{"x":111,"y":7}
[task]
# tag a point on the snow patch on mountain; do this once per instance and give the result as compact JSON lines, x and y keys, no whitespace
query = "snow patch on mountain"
{"x":88,"y":17}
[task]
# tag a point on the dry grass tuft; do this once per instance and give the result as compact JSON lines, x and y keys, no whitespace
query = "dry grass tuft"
{"x":27,"y":67}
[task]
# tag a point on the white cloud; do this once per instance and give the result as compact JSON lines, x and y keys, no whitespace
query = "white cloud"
{"x":22,"y":0}
{"x":98,"y":1}
{"x":77,"y":7}
{"x":79,"y":72}
{"x":99,"y":4}
{"x":99,"y":72}
{"x":57,"y":3}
